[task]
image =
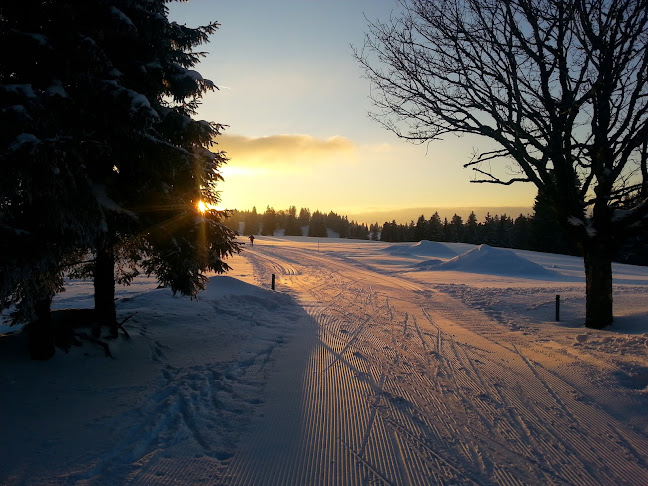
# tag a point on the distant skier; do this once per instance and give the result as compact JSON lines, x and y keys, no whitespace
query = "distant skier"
{"x":251,"y":240}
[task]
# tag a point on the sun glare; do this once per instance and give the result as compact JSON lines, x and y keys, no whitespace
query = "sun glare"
{"x":204,"y":207}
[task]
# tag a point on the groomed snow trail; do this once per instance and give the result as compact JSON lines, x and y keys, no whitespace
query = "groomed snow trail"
{"x":405,"y":385}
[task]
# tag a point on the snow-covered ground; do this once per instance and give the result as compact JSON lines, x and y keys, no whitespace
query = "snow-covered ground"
{"x":371,"y":363}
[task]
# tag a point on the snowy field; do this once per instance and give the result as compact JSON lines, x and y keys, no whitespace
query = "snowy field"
{"x":371,"y":364}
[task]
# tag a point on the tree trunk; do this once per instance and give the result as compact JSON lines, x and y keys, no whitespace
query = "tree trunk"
{"x":104,"y":287}
{"x":41,"y":332}
{"x":598,"y":285}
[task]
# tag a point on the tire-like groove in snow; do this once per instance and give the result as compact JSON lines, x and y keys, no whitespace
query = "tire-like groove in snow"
{"x":406,"y":385}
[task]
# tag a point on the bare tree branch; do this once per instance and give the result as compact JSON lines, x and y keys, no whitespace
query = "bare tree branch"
{"x":561,"y":87}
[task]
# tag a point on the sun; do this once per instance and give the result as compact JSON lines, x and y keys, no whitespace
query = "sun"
{"x":203,"y":207}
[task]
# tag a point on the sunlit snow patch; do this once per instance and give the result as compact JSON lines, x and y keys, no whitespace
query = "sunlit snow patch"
{"x":495,"y":261}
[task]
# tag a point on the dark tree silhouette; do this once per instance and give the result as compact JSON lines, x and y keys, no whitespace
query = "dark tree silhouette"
{"x":471,"y":229}
{"x":304,"y":217}
{"x":375,"y":231}
{"x":435,"y":228}
{"x":545,"y":232}
{"x":269,"y":222}
{"x":521,"y":238}
{"x":100,"y":152}
{"x":456,"y":228}
{"x":317,"y":225}
{"x":252,"y":222}
{"x":560,"y":87}
{"x":421,"y":228}
{"x":292,"y":223}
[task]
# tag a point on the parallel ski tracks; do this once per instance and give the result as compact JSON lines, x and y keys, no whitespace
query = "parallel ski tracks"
{"x":408,"y":386}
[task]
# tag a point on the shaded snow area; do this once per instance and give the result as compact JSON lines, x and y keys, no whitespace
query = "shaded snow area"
{"x":370,"y":364}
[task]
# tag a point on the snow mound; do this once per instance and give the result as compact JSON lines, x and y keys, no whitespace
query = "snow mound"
{"x":422,"y":248}
{"x":222,"y":286}
{"x":495,"y":261}
{"x":428,"y":264}
{"x":219,"y":287}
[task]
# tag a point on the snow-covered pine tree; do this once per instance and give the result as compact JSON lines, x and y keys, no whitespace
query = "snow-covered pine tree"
{"x":102,"y":151}
{"x":47,"y":207}
{"x":164,"y":167}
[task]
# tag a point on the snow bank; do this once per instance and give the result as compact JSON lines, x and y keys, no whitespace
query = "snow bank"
{"x":222,"y":286}
{"x":495,"y":261}
{"x":186,"y":385}
{"x":422,"y":248}
{"x":428,"y":264}
{"x":227,"y":287}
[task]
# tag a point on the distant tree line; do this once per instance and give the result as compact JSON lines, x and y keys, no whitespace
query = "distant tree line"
{"x":293,"y":224}
{"x":537,"y":232}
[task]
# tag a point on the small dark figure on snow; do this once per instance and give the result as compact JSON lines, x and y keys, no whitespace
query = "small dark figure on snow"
{"x":251,"y":240}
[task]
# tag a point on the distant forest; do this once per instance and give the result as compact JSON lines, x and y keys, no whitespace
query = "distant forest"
{"x":538,"y":231}
{"x":294,"y":224}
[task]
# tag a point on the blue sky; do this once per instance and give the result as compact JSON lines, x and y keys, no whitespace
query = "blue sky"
{"x":296,"y":106}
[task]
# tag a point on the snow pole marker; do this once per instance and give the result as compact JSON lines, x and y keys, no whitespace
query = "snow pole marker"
{"x":557,"y":307}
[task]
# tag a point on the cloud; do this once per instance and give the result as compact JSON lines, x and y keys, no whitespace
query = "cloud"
{"x":283,"y":150}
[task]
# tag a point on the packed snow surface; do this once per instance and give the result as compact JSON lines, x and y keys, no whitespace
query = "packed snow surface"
{"x":356,"y":370}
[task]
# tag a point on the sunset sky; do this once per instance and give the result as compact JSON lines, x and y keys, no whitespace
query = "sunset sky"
{"x":296,"y":106}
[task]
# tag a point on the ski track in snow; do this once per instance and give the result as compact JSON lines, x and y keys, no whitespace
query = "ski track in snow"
{"x":409,"y":386}
{"x":375,"y":378}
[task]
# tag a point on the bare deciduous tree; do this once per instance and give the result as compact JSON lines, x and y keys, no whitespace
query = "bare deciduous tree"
{"x":561,"y":87}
